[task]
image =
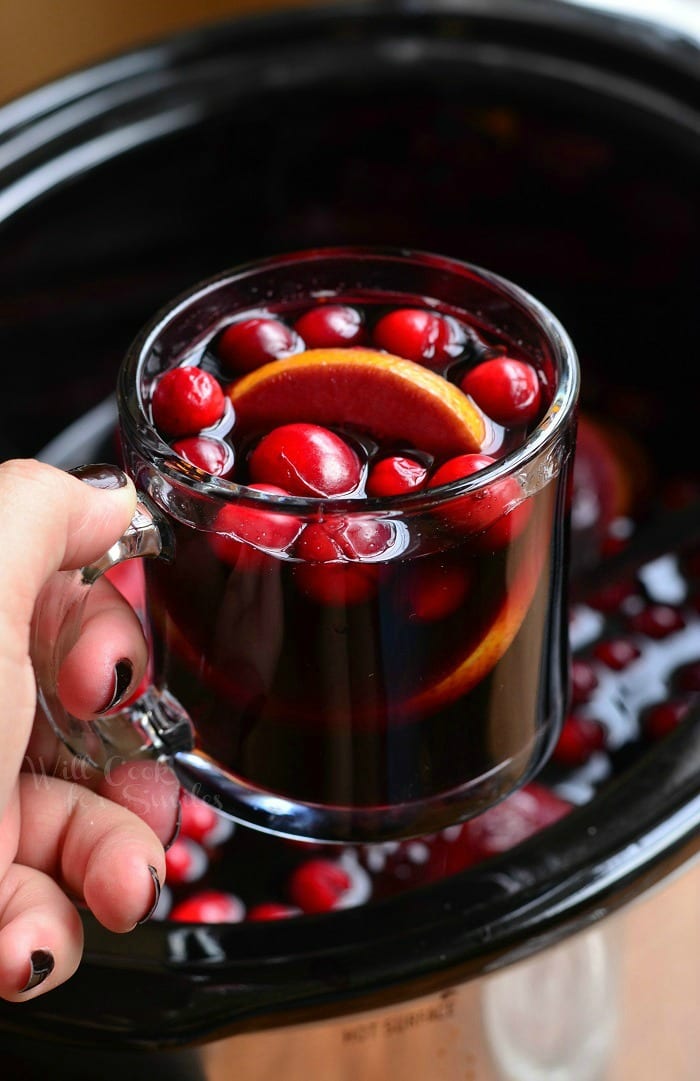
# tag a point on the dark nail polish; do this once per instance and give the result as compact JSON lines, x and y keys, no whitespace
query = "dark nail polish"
{"x":101,"y":476}
{"x":156,"y":886}
{"x":123,"y":672}
{"x":176,"y":828}
{"x":41,"y":965}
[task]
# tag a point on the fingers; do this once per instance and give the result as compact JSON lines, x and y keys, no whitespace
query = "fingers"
{"x":147,"y":789}
{"x":108,"y":660}
{"x":55,"y":521}
{"x":41,"y":935}
{"x":96,"y":849}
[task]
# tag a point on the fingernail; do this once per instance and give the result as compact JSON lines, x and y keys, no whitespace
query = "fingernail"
{"x":101,"y":475}
{"x":123,"y":672}
{"x":154,"y":906}
{"x":41,"y":964}
{"x":176,"y":827}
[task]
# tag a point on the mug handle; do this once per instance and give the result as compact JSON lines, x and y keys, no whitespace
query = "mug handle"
{"x":155,"y":726}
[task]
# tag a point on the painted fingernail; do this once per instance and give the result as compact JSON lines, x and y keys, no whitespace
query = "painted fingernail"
{"x":123,"y":673}
{"x":101,"y":475}
{"x":41,"y":965}
{"x":176,"y":827}
{"x":156,"y":887}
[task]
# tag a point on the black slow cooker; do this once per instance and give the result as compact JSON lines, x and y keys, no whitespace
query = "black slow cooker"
{"x":557,"y":144}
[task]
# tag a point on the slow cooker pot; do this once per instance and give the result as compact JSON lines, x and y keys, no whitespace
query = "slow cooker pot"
{"x":558,"y":145}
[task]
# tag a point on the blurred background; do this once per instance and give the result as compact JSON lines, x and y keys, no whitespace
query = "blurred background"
{"x":42,"y":39}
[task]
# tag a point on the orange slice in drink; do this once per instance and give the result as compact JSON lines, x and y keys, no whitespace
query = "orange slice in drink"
{"x":390,"y":399}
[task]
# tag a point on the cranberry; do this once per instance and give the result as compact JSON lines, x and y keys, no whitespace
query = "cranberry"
{"x":687,"y":678}
{"x":497,"y":510}
{"x":657,"y":621}
{"x":306,"y":460}
{"x":238,"y":527}
{"x":617,"y":653}
{"x":395,"y":475}
{"x":318,"y":885}
{"x":663,"y":718}
{"x":251,"y":343}
{"x":423,"y":336}
{"x":211,"y":455}
{"x":185,"y":400}
{"x":578,"y":740}
{"x":583,"y":681}
{"x":336,"y":554}
{"x":436,"y":589}
{"x":331,"y":325}
{"x":209,"y":906}
{"x":507,"y":390}
{"x":271,"y":910}
{"x":185,"y":861}
{"x":201,"y":823}
{"x":518,"y":817}
{"x":609,"y":599}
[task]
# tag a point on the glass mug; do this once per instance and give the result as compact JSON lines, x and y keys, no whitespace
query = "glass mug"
{"x":402,"y":683}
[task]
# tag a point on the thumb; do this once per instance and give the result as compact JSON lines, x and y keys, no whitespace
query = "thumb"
{"x":49,"y":521}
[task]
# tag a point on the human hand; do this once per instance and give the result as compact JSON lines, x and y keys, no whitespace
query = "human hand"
{"x":69,"y":837}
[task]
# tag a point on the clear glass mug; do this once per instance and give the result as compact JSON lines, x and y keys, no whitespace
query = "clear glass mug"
{"x":331,"y":713}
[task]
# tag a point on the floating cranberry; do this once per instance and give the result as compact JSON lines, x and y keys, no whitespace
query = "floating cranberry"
{"x":507,"y":390}
{"x":211,"y":455}
{"x":579,"y":739}
{"x":318,"y":885}
{"x":209,"y":906}
{"x":271,"y":910}
{"x":423,"y":336}
{"x":202,"y":823}
{"x":186,"y":400}
{"x":497,"y":510}
{"x":436,"y":589}
{"x":663,"y":718}
{"x":185,"y":861}
{"x":518,"y":817}
{"x":337,"y":554}
{"x":657,"y":621}
{"x":583,"y":681}
{"x":251,"y":343}
{"x":395,"y":475}
{"x":306,"y":459}
{"x":240,"y":527}
{"x":617,"y":653}
{"x":331,"y":326}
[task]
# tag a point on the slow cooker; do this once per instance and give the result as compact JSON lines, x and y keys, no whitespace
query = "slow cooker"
{"x":556,"y":143}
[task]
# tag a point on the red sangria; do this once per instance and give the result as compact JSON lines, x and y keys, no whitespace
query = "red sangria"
{"x":362,"y":458}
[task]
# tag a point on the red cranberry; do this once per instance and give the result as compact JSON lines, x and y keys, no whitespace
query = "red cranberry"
{"x":423,"y":336}
{"x":609,"y":599}
{"x":657,"y":621}
{"x":306,"y":460}
{"x":331,"y":326}
{"x":318,"y":885}
{"x":209,"y":906}
{"x":251,"y":343}
{"x":490,"y":510}
{"x":507,"y":390}
{"x":687,"y":678}
{"x":579,"y":739}
{"x":336,"y":554}
{"x":617,"y":653}
{"x":185,"y":861}
{"x":201,"y":823}
{"x":211,"y":455}
{"x":436,"y":589}
{"x":518,"y":817}
{"x":271,"y":910}
{"x":663,"y":718}
{"x":395,"y":475}
{"x":583,"y":681}
{"x":239,"y":527}
{"x":186,"y":400}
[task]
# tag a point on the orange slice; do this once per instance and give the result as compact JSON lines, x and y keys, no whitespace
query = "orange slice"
{"x":390,"y":399}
